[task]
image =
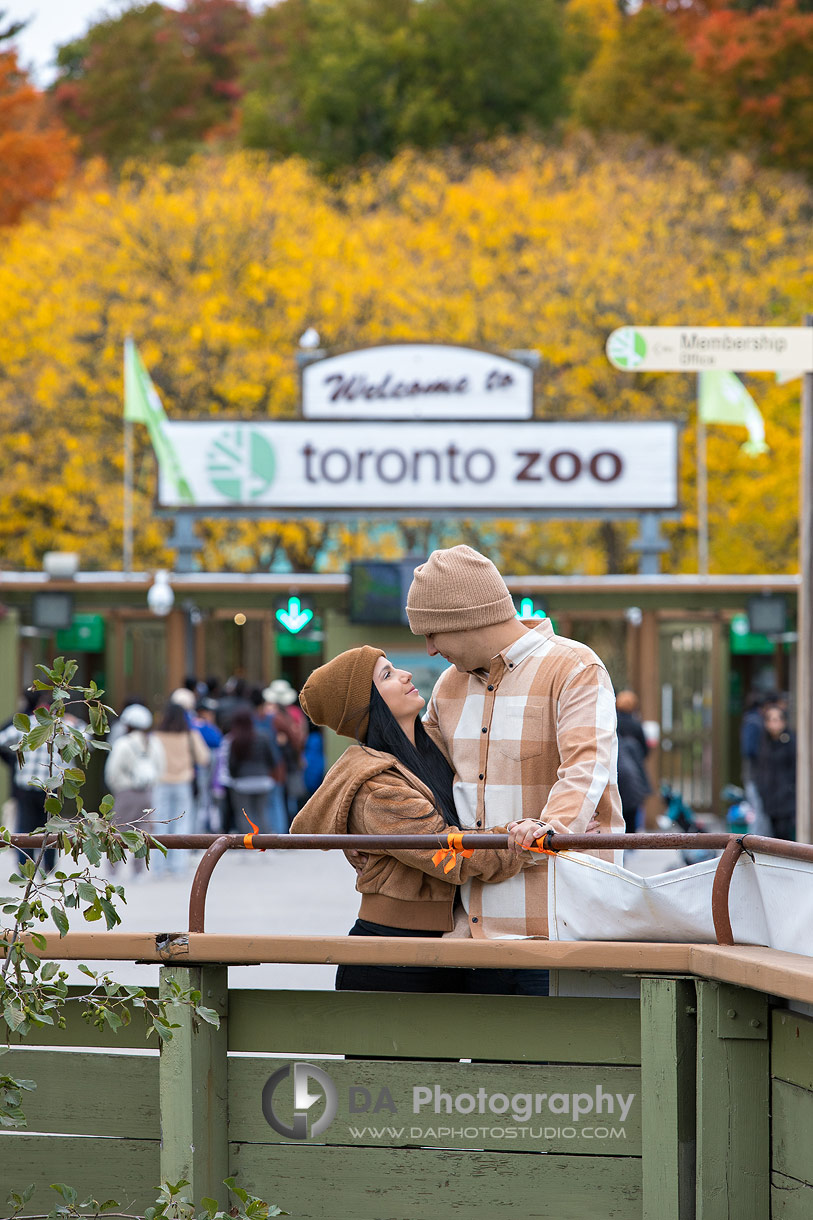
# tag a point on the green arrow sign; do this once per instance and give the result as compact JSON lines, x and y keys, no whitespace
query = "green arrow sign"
{"x":295,"y":617}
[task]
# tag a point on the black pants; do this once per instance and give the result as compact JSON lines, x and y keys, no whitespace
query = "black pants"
{"x":444,"y":979}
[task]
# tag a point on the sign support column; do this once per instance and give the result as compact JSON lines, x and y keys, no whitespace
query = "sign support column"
{"x":804,"y":653}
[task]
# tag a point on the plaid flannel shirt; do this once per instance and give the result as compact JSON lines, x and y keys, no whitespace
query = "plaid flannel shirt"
{"x":533,"y":738}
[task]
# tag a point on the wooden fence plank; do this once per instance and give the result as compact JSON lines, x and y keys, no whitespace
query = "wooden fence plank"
{"x":668,"y":1048}
{"x":792,"y":1131}
{"x":792,"y":1048}
{"x":125,"y":1170}
{"x":318,"y":1183}
{"x":514,"y":1028}
{"x":80,"y":1093}
{"x":790,"y":1200}
{"x":576,"y":1110}
{"x":733,"y":1121}
{"x":193,"y":1087}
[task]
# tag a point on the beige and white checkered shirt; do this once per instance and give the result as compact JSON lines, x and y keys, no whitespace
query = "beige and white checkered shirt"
{"x":533,"y":738}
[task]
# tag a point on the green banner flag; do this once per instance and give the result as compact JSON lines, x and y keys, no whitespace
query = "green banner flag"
{"x":143,"y":406}
{"x":723,"y":399}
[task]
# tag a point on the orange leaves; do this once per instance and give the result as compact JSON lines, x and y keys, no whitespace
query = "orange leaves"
{"x":36,"y":153}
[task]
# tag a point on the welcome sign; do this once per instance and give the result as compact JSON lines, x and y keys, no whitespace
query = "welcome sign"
{"x":417,"y":381}
{"x":307,"y":467}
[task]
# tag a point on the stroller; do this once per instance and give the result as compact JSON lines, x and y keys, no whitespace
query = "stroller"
{"x":677,"y":815}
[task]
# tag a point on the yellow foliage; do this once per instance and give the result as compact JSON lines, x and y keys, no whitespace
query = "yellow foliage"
{"x":218,"y":267}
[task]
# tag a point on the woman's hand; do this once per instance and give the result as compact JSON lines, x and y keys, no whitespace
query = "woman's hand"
{"x":525,"y":833}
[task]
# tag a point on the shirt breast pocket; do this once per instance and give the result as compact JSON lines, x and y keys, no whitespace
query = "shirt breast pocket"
{"x":521,"y":734}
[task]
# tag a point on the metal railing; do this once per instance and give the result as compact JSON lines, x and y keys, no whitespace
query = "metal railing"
{"x":215,"y":847}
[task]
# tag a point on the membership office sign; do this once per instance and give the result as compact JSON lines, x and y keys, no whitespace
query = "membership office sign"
{"x":305,"y":467}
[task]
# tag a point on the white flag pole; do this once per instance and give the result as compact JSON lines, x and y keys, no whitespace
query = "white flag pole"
{"x":702,"y":493}
{"x":128,"y":491}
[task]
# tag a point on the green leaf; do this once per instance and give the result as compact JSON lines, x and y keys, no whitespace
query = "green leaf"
{"x":67,"y":1192}
{"x":209,"y":1015}
{"x":13,"y":1016}
{"x":60,"y":919}
{"x":49,"y":970}
{"x":37,"y":736}
{"x":22,"y":723}
{"x":39,"y":942}
{"x":86,"y":891}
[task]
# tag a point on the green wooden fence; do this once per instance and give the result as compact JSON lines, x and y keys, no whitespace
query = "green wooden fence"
{"x":695,"y":1101}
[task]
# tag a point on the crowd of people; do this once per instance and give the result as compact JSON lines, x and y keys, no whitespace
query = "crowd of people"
{"x":217,"y":760}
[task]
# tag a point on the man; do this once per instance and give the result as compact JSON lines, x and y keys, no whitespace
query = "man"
{"x":527,"y":719}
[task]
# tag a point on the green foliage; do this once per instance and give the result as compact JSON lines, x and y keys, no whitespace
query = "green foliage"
{"x":339,"y":80}
{"x":172,"y":1204}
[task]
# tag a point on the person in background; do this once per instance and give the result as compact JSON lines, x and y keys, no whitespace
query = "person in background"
{"x":291,"y":730}
{"x":276,"y":814}
{"x":314,"y":757}
{"x":134,"y":765}
{"x":751,"y":729}
{"x":36,"y":766}
{"x":184,"y":749}
{"x":633,"y":782}
{"x":251,"y":772}
{"x":207,"y":812}
{"x":775,"y":772}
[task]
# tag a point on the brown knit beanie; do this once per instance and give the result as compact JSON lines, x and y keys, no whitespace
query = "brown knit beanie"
{"x":457,"y":590}
{"x":338,"y":694}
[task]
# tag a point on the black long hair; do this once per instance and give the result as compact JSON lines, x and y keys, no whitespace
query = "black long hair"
{"x":424,"y":759}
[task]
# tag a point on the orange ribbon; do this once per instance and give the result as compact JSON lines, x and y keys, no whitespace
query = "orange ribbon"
{"x":546,"y":851}
{"x":455,"y":842}
{"x":248,"y":837}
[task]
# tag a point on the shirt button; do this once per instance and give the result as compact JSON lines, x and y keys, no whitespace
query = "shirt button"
{"x":490,"y":688}
{"x":485,"y":729}
{"x":481,"y":776}
{"x":510,"y":664}
{"x":479,"y":823}
{"x":474,"y":919}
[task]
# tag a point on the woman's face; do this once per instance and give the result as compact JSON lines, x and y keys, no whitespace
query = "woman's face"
{"x":775,"y":721}
{"x":396,"y":689}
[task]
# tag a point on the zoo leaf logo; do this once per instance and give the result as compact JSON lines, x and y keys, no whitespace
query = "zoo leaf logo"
{"x":240,"y":463}
{"x":626,"y":348}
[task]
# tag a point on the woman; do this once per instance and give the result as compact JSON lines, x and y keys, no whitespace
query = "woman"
{"x":184,"y":749}
{"x":775,"y":772}
{"x":135,"y":763}
{"x":393,"y":781}
{"x":251,"y":771}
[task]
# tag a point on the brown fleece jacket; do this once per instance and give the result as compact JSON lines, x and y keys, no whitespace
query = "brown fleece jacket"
{"x":369,"y":792}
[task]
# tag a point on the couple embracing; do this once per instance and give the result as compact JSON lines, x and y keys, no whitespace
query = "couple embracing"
{"x":518,"y":737}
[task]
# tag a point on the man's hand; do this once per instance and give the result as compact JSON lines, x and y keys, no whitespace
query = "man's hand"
{"x":593,"y":827}
{"x":357,"y":859}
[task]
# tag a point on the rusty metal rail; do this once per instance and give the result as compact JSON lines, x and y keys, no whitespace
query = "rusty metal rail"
{"x":215,"y":847}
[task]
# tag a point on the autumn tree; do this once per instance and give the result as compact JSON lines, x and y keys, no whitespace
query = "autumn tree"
{"x":218,"y":267}
{"x":646,"y":81}
{"x":152,"y":81}
{"x":760,"y":66}
{"x":36,"y":152}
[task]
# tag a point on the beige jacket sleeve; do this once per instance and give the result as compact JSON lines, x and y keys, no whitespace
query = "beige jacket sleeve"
{"x":385,"y":807}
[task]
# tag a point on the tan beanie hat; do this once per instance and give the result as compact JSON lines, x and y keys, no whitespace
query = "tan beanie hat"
{"x":338,"y":694}
{"x":457,"y":590}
